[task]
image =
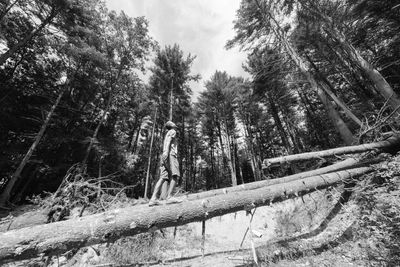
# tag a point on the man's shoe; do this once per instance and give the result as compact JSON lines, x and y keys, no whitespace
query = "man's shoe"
{"x":172,"y":200}
{"x":154,"y":202}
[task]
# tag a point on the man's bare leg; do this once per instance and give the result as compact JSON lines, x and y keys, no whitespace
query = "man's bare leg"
{"x":170,"y":198}
{"x":164,"y":190}
{"x":157,"y":187}
{"x":171,"y":187}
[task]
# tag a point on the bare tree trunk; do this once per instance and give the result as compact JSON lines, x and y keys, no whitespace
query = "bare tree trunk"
{"x":326,"y":86}
{"x":59,"y":237}
{"x":171,"y":98}
{"x":253,"y":160}
{"x":344,"y":166}
{"x":278,"y":124}
{"x":25,"y":221}
{"x":342,"y":128}
{"x":373,"y":74}
{"x":5,"y":195}
{"x":389,"y":145}
{"x":229,"y":155}
{"x":146,"y":187}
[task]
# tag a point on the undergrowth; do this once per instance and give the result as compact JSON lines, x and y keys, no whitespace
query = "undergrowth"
{"x":374,"y":238}
{"x":379,"y":225}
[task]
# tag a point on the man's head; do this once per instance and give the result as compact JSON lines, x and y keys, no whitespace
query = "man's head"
{"x":170,"y":125}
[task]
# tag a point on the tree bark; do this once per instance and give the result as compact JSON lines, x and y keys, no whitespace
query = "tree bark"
{"x":340,"y":125}
{"x":171,"y":98}
{"x":373,"y":74}
{"x":146,"y":186}
{"x":346,"y":164}
{"x":337,"y":121}
{"x":327,"y":86}
{"x":41,"y":217}
{"x":59,"y":237}
{"x":230,"y":156}
{"x":5,"y":195}
{"x":278,"y":123}
{"x":389,"y":145}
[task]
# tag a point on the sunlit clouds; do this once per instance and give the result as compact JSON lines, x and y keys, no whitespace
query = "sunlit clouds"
{"x":200,"y":27}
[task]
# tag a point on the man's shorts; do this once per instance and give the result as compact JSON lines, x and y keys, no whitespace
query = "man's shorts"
{"x":169,"y":168}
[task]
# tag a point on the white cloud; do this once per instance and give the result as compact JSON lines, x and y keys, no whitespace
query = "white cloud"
{"x":199,"y":27}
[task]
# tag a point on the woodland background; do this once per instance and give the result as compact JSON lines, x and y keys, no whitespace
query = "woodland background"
{"x":323,"y":74}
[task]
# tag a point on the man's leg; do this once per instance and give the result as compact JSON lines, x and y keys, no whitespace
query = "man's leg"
{"x":164,"y":190}
{"x":157,"y":188}
{"x":174,"y":172}
{"x":170,"y":198}
{"x":172,"y":184}
{"x":159,"y":184}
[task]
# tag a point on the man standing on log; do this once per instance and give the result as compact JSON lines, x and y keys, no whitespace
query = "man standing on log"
{"x":169,"y":169}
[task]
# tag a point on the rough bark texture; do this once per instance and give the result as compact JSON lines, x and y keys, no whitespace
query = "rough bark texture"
{"x":346,"y":164}
{"x":382,"y":86}
{"x":390,"y":145}
{"x":109,"y":226}
{"x":304,"y":68}
{"x":37,"y":218}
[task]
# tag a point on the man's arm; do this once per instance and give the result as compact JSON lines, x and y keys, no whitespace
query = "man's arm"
{"x":167,"y":143}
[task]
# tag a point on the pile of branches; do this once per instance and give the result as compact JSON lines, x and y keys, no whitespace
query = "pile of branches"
{"x":78,"y":191}
{"x":381,"y":124}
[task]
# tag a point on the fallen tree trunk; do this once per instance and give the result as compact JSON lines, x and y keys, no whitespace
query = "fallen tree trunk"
{"x":346,"y":164}
{"x":41,"y":217}
{"x":392,"y":144}
{"x":59,"y":237}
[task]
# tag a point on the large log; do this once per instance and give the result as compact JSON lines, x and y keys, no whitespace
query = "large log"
{"x":41,"y":217}
{"x":390,"y":145}
{"x":60,"y":237}
{"x":342,"y":165}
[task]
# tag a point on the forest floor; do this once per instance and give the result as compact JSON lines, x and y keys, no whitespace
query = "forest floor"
{"x":351,"y":225}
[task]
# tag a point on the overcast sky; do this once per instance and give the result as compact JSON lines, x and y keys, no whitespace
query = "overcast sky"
{"x":200,"y":27}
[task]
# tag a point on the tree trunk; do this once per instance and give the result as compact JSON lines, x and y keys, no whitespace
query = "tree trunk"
{"x":341,"y":127}
{"x":337,"y":167}
{"x":171,"y":98}
{"x":327,"y":86}
{"x":278,"y":123}
{"x":5,"y":195}
{"x":373,"y":74}
{"x":146,"y":187}
{"x":41,"y":218}
{"x":230,"y":157}
{"x":390,"y":145}
{"x":59,"y":237}
{"x":253,"y":160}
{"x":23,"y":42}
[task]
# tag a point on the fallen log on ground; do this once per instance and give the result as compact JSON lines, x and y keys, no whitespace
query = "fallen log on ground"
{"x":342,"y":165}
{"x":59,"y":237}
{"x":41,"y":217}
{"x":390,"y":145}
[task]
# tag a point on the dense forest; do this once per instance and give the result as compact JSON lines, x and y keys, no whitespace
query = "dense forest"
{"x":323,"y":74}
